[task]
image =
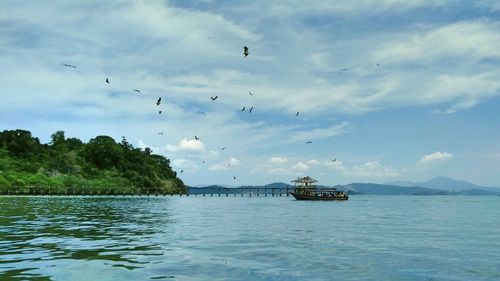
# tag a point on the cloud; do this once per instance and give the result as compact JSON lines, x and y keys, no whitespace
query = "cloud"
{"x":313,"y":162}
{"x":373,"y":170}
{"x":225,"y":165}
{"x":433,"y":159}
{"x":192,"y":145}
{"x":467,"y":40}
{"x":300,"y":167}
{"x":331,"y":131}
{"x":337,"y":165}
{"x":278,"y":160}
{"x":185,"y":145}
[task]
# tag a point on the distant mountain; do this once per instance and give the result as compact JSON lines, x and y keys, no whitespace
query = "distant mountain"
{"x":383,"y":189}
{"x":436,"y":186}
{"x":445,"y":183}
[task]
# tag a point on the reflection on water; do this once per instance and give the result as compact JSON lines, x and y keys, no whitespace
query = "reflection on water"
{"x":219,"y":238}
{"x":39,"y":233}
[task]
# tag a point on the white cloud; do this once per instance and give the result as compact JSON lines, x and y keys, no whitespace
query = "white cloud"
{"x":469,"y":40}
{"x":313,"y":162}
{"x":233,"y":162}
{"x":337,"y":165}
{"x":331,"y":131}
{"x":373,"y":170}
{"x":225,"y":165}
{"x":278,"y":160}
{"x":193,"y":145}
{"x":436,"y":158}
{"x":300,"y":167}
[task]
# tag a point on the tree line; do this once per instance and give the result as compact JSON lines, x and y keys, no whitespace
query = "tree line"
{"x":101,"y":165}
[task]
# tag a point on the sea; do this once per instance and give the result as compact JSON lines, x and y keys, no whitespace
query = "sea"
{"x":249,"y":238}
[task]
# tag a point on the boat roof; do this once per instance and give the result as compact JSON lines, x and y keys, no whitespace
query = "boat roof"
{"x":305,"y":180}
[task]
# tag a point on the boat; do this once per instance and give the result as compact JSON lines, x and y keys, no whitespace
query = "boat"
{"x":305,"y":189}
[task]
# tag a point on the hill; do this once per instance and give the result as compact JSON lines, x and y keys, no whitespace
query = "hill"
{"x":68,"y":163}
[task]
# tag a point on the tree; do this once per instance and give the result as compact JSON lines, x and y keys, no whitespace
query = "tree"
{"x":104,"y":152}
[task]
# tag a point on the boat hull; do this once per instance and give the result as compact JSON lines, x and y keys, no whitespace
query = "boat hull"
{"x":317,"y":198}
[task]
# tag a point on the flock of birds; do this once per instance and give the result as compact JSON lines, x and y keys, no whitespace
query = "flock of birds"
{"x":158,"y":102}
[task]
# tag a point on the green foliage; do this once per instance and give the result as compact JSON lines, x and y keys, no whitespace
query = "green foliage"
{"x":69,"y":165}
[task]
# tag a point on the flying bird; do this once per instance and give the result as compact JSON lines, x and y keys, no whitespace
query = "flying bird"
{"x":297,"y":114}
{"x":69,"y":65}
{"x":234,"y":177}
{"x":309,"y":142}
{"x":214,"y":98}
{"x":160,"y":133}
{"x":202,"y":112}
{"x":196,"y":138}
{"x":251,"y":108}
{"x":250,"y":93}
{"x":138,"y":91}
{"x":243,"y":109}
{"x":159,"y":112}
{"x":245,"y":51}
{"x":344,"y":69}
{"x":203,"y":161}
{"x":378,"y":64}
{"x":158,"y":101}
{"x":107,"y":80}
{"x":222,"y":148}
{"x":229,"y":164}
{"x":182,"y":171}
{"x":334,"y":160}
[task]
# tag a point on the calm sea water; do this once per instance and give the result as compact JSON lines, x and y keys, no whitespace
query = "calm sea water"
{"x":242,"y":238}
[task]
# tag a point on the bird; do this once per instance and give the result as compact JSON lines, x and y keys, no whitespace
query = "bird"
{"x":203,"y":161}
{"x":344,"y":69}
{"x":107,"y":80}
{"x":229,"y":164}
{"x":202,"y":112}
{"x":251,"y":108}
{"x":158,"y":101}
{"x":138,"y":91}
{"x":222,"y":148}
{"x":334,"y":160}
{"x":309,"y":142}
{"x":378,"y":64}
{"x":245,"y":51}
{"x":159,"y":112}
{"x":250,"y":93}
{"x":297,"y":114}
{"x":243,"y":109}
{"x":69,"y":65}
{"x":196,"y":138}
{"x":160,"y":133}
{"x":214,"y":98}
{"x":234,"y":177}
{"x":182,"y":171}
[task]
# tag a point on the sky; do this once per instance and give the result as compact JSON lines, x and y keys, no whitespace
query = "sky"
{"x":386,"y":90}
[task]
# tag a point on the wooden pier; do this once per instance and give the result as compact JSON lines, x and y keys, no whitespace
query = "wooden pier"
{"x":116,"y":191}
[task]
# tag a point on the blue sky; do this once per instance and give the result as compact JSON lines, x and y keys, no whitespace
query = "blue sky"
{"x":420,"y":96}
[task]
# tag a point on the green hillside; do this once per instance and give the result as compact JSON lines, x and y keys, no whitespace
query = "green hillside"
{"x":68,"y":164}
